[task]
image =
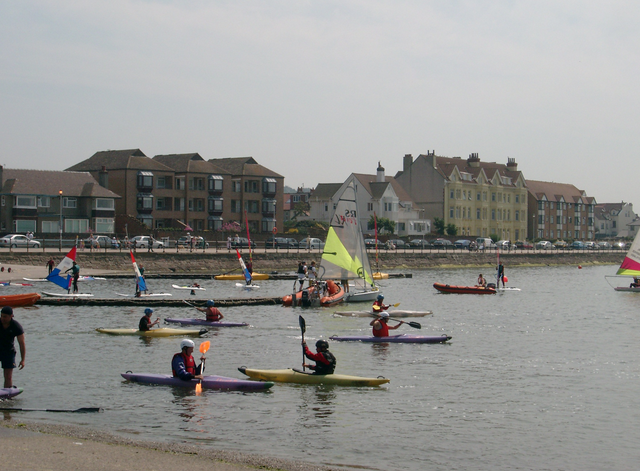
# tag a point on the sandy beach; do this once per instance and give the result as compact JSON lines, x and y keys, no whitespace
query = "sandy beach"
{"x":31,"y":446}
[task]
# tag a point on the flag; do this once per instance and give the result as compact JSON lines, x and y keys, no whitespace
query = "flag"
{"x":56,"y":275}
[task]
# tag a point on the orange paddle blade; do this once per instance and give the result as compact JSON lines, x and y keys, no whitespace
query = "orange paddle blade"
{"x":198,"y":388}
{"x":204,"y":346}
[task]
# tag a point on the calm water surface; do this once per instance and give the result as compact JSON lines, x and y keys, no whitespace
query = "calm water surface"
{"x":544,"y":378}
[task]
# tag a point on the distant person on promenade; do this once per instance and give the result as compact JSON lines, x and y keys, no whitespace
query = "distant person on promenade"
{"x":183,"y":365}
{"x":213,"y":313}
{"x":9,"y":331}
{"x":50,"y":264}
{"x":145,"y":323}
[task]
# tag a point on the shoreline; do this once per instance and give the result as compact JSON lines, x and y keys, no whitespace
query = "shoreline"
{"x":64,"y":447}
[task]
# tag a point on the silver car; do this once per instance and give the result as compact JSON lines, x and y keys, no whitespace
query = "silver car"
{"x":142,"y":242}
{"x":18,"y":240}
{"x":311,"y":243}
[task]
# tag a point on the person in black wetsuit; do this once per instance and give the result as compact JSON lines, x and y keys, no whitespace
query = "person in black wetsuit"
{"x":145,"y":321}
{"x":325,"y":361}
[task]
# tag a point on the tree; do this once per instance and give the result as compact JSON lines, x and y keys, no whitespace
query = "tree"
{"x":452,"y":230}
{"x":438,"y":225}
{"x":384,"y":225}
{"x":300,"y":208}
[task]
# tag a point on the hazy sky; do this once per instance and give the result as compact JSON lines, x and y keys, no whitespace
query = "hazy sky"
{"x":316,"y":90}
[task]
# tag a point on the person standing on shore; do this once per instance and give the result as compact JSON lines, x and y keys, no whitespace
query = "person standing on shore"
{"x":50,"y":264}
{"x":9,"y":331}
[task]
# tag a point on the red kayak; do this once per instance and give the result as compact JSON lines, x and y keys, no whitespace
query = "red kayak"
{"x":463,"y":289}
{"x":19,"y":300}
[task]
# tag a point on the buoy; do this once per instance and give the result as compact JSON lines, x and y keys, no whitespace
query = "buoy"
{"x":9,"y":269}
{"x":506,"y":280}
{"x":579,"y":267}
{"x":2,"y":269}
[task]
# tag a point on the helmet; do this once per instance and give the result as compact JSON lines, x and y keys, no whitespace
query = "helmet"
{"x":380,"y":297}
{"x":8,"y":310}
{"x":148,"y":311}
{"x":210,"y":303}
{"x":322,"y":344}
{"x":384,"y":315}
{"x":187,"y":343}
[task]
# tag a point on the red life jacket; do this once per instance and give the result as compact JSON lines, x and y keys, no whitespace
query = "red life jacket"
{"x":189,"y":364}
{"x":384,"y":329}
{"x":213,"y":314}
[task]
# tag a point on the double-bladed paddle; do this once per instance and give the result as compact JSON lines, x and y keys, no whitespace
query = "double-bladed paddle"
{"x":204,"y":347}
{"x":303,"y":328}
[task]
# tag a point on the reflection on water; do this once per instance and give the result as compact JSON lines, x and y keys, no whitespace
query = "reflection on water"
{"x":318,"y":400}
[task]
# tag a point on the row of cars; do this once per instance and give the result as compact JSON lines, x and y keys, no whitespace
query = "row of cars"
{"x":579,"y":245}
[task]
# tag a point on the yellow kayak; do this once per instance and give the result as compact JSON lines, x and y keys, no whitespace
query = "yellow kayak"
{"x":380,"y":276}
{"x":161,"y":332}
{"x":240,"y":276}
{"x":299,"y":377}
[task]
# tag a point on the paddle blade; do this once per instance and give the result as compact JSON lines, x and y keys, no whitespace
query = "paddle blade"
{"x":415,"y":325}
{"x":204,"y":346}
{"x":303,"y":324}
{"x":198,"y":389}
{"x":376,"y":307}
{"x":396,"y":305}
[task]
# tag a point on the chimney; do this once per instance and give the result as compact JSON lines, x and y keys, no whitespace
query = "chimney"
{"x":103,"y":178}
{"x":474,"y":160}
{"x":406,"y":162}
{"x":511,"y":164}
{"x":1,"y":176}
{"x":380,"y":173}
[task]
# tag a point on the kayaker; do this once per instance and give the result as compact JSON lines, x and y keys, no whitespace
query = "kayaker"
{"x":194,"y":285}
{"x":379,"y":305}
{"x":212,"y":312}
{"x":145,"y":321}
{"x":75,"y":272}
{"x":302,"y":273}
{"x":325,"y":361}
{"x":500,"y":274}
{"x":481,"y":281}
{"x":380,"y":326}
{"x":9,"y":331}
{"x":183,"y":365}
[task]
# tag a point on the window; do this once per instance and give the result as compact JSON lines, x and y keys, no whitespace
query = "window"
{"x":50,"y":226}
{"x":269,"y":185}
{"x":199,"y":204}
{"x":76,"y":226}
{"x":190,"y":205}
{"x":458,"y":193}
{"x":326,"y":207}
{"x":251,"y":186}
{"x":517,"y":215}
{"x":144,"y":202}
{"x":163,"y":182}
{"x":478,"y":196}
{"x":252,"y":206}
{"x":369,"y":206}
{"x":145,"y":180}
{"x":68,"y":202}
{"x":180,"y":183}
{"x":493,"y":214}
{"x":451,"y":213}
{"x":215,"y":205}
{"x":146,"y":219}
{"x":105,"y":225}
{"x":163,"y":204}
{"x":493,"y":196}
{"x":268,"y":224}
{"x":178,"y":204}
{"x":236,"y":186}
{"x":551,"y":220}
{"x":478,"y":212}
{"x":24,"y":225}
{"x":196,"y":183}
{"x":268,"y":206}
{"x":214,"y":223}
{"x":44,"y":201}
{"x":25,"y":202}
{"x":451,"y":195}
{"x":215,"y":182}
{"x":104,"y":203}
{"x":517,"y":198}
{"x":236,"y":207}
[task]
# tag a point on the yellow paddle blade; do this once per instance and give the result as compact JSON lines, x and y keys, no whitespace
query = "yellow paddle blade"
{"x":376,"y":307}
{"x":198,"y":388}
{"x":204,"y":346}
{"x":396,"y":305}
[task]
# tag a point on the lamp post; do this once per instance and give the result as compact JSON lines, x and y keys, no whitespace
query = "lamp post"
{"x":60,"y":228}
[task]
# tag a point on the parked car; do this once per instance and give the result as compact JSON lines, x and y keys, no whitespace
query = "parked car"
{"x":591,"y":245}
{"x":576,"y":245}
{"x":604,"y":245}
{"x":397,"y":244}
{"x":485,"y":243}
{"x":462,"y":244}
{"x":503,"y":244}
{"x":371,"y":244}
{"x":523,"y":244}
{"x":281,"y":243}
{"x":442,"y":244}
{"x":419,"y":244}
{"x":242,"y":242}
{"x":100,"y":241}
{"x":560,"y":244}
{"x":143,"y":242}
{"x":619,"y":245}
{"x":18,"y":240}
{"x":545,"y":245}
{"x":311,"y":243}
{"x":198,"y":242}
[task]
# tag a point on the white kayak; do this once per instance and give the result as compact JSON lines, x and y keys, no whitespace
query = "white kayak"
{"x":190,"y":288}
{"x":68,"y":295}
{"x":145,"y":295}
{"x":508,"y":289}
{"x":246,"y":286}
{"x":35,"y":279}
{"x":393,"y":313}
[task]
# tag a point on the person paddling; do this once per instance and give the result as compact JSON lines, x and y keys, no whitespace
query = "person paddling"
{"x":325,"y":361}
{"x":145,"y":321}
{"x":183,"y":365}
{"x":380,"y":326}
{"x":213,"y":313}
{"x":379,"y":305}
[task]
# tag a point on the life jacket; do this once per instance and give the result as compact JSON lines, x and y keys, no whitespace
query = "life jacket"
{"x":384,"y":329}
{"x":332,"y":288}
{"x":189,"y":364}
{"x":213,"y":315}
{"x":301,"y":269}
{"x":322,"y":369}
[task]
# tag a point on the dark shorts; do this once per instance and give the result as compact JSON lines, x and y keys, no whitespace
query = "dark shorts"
{"x":8,"y":360}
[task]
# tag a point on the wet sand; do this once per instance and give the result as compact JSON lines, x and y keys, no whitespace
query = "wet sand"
{"x":31,"y":446}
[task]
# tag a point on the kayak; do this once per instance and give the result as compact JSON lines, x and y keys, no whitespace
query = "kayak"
{"x":8,"y":283}
{"x":6,"y":393}
{"x":240,"y":277}
{"x":145,"y":295}
{"x":190,"y":288}
{"x":205,"y":322}
{"x":160,"y":332}
{"x":394,"y":313}
{"x":220,"y":383}
{"x":68,"y":295}
{"x":444,"y":288}
{"x":402,"y":338}
{"x":35,"y":279}
{"x":299,"y":377}
{"x":19,"y":300}
{"x":246,"y":286}
{"x":91,"y":278}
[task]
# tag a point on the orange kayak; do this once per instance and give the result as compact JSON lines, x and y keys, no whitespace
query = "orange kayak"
{"x":19,"y":300}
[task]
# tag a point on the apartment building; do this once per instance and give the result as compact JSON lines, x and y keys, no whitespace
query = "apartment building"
{"x":560,"y":211}
{"x":480,"y":198}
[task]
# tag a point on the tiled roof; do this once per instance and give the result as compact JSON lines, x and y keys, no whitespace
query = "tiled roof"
{"x":133,"y":159}
{"x":377,"y":189}
{"x":557,"y":191}
{"x":244,"y":166}
{"x":189,"y":163}
{"x":50,"y":182}
{"x":325,"y":191}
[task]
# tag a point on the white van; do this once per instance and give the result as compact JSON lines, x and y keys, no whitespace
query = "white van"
{"x":485,"y":243}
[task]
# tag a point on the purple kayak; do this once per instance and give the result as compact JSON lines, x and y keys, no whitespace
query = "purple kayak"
{"x":195,"y":321}
{"x":220,"y":383}
{"x":9,"y":392}
{"x":402,"y":338}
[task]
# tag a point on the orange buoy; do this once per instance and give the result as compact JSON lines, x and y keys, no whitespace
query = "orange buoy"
{"x":579,"y":267}
{"x":506,"y":280}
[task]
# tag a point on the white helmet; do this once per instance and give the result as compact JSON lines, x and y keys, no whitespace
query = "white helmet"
{"x":187,"y":343}
{"x":384,"y":315}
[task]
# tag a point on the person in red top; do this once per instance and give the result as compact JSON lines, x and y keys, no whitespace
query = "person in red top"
{"x":213,"y":313}
{"x":380,"y":326}
{"x":379,"y":305}
{"x":183,"y":365}
{"x":325,"y":361}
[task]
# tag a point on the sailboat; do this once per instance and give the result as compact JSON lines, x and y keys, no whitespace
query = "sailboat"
{"x":345,"y":254}
{"x":141,"y":284}
{"x":56,"y":276}
{"x":248,"y":284}
{"x":630,"y":267}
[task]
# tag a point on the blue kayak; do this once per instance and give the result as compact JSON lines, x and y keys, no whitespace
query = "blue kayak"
{"x":402,"y":338}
